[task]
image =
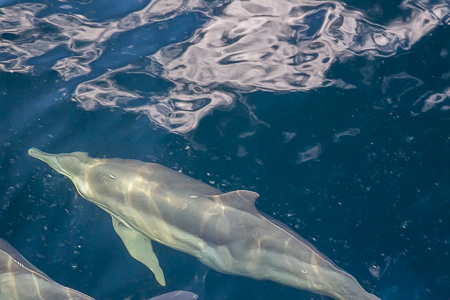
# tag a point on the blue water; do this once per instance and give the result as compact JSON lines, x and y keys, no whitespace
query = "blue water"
{"x":336,"y":113}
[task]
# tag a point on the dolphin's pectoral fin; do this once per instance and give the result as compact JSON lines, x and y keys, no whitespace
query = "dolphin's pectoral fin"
{"x":140,"y":247}
{"x":241,"y":199}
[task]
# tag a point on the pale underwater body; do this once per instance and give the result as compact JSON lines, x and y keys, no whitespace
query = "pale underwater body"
{"x":149,"y":202}
{"x":20,"y":280}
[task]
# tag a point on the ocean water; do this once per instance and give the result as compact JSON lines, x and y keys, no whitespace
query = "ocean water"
{"x":336,"y":112}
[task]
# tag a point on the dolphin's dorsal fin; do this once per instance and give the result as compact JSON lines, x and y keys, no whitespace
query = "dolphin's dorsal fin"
{"x":241,"y":199}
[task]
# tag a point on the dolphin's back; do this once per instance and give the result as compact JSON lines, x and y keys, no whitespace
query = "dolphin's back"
{"x":111,"y":171}
{"x":20,"y":280}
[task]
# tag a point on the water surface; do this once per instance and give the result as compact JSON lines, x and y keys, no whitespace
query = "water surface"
{"x":335,"y":112}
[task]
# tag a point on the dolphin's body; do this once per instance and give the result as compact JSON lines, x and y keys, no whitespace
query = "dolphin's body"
{"x":149,"y":202}
{"x":20,"y":280}
{"x":177,"y":295}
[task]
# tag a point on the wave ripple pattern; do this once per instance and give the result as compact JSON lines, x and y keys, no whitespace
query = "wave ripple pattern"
{"x":244,"y":46}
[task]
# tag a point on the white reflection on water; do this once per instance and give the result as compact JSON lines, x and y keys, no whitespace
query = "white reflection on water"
{"x":246,"y":46}
{"x":410,"y":93}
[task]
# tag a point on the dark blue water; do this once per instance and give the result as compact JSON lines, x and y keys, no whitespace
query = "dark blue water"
{"x":336,"y":113}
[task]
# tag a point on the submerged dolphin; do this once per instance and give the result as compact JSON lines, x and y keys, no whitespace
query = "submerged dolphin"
{"x":20,"y":280}
{"x":177,"y":295}
{"x":149,"y":202}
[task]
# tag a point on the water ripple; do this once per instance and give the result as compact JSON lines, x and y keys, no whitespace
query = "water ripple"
{"x":275,"y":46}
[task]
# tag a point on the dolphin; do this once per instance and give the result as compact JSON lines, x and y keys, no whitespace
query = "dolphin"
{"x":149,"y":202}
{"x":20,"y":280}
{"x":177,"y":295}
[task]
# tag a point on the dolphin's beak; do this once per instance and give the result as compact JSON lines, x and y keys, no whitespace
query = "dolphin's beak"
{"x":50,"y":159}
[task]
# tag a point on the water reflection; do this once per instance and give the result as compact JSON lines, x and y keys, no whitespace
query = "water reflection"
{"x":411,"y":94}
{"x":277,"y":46}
